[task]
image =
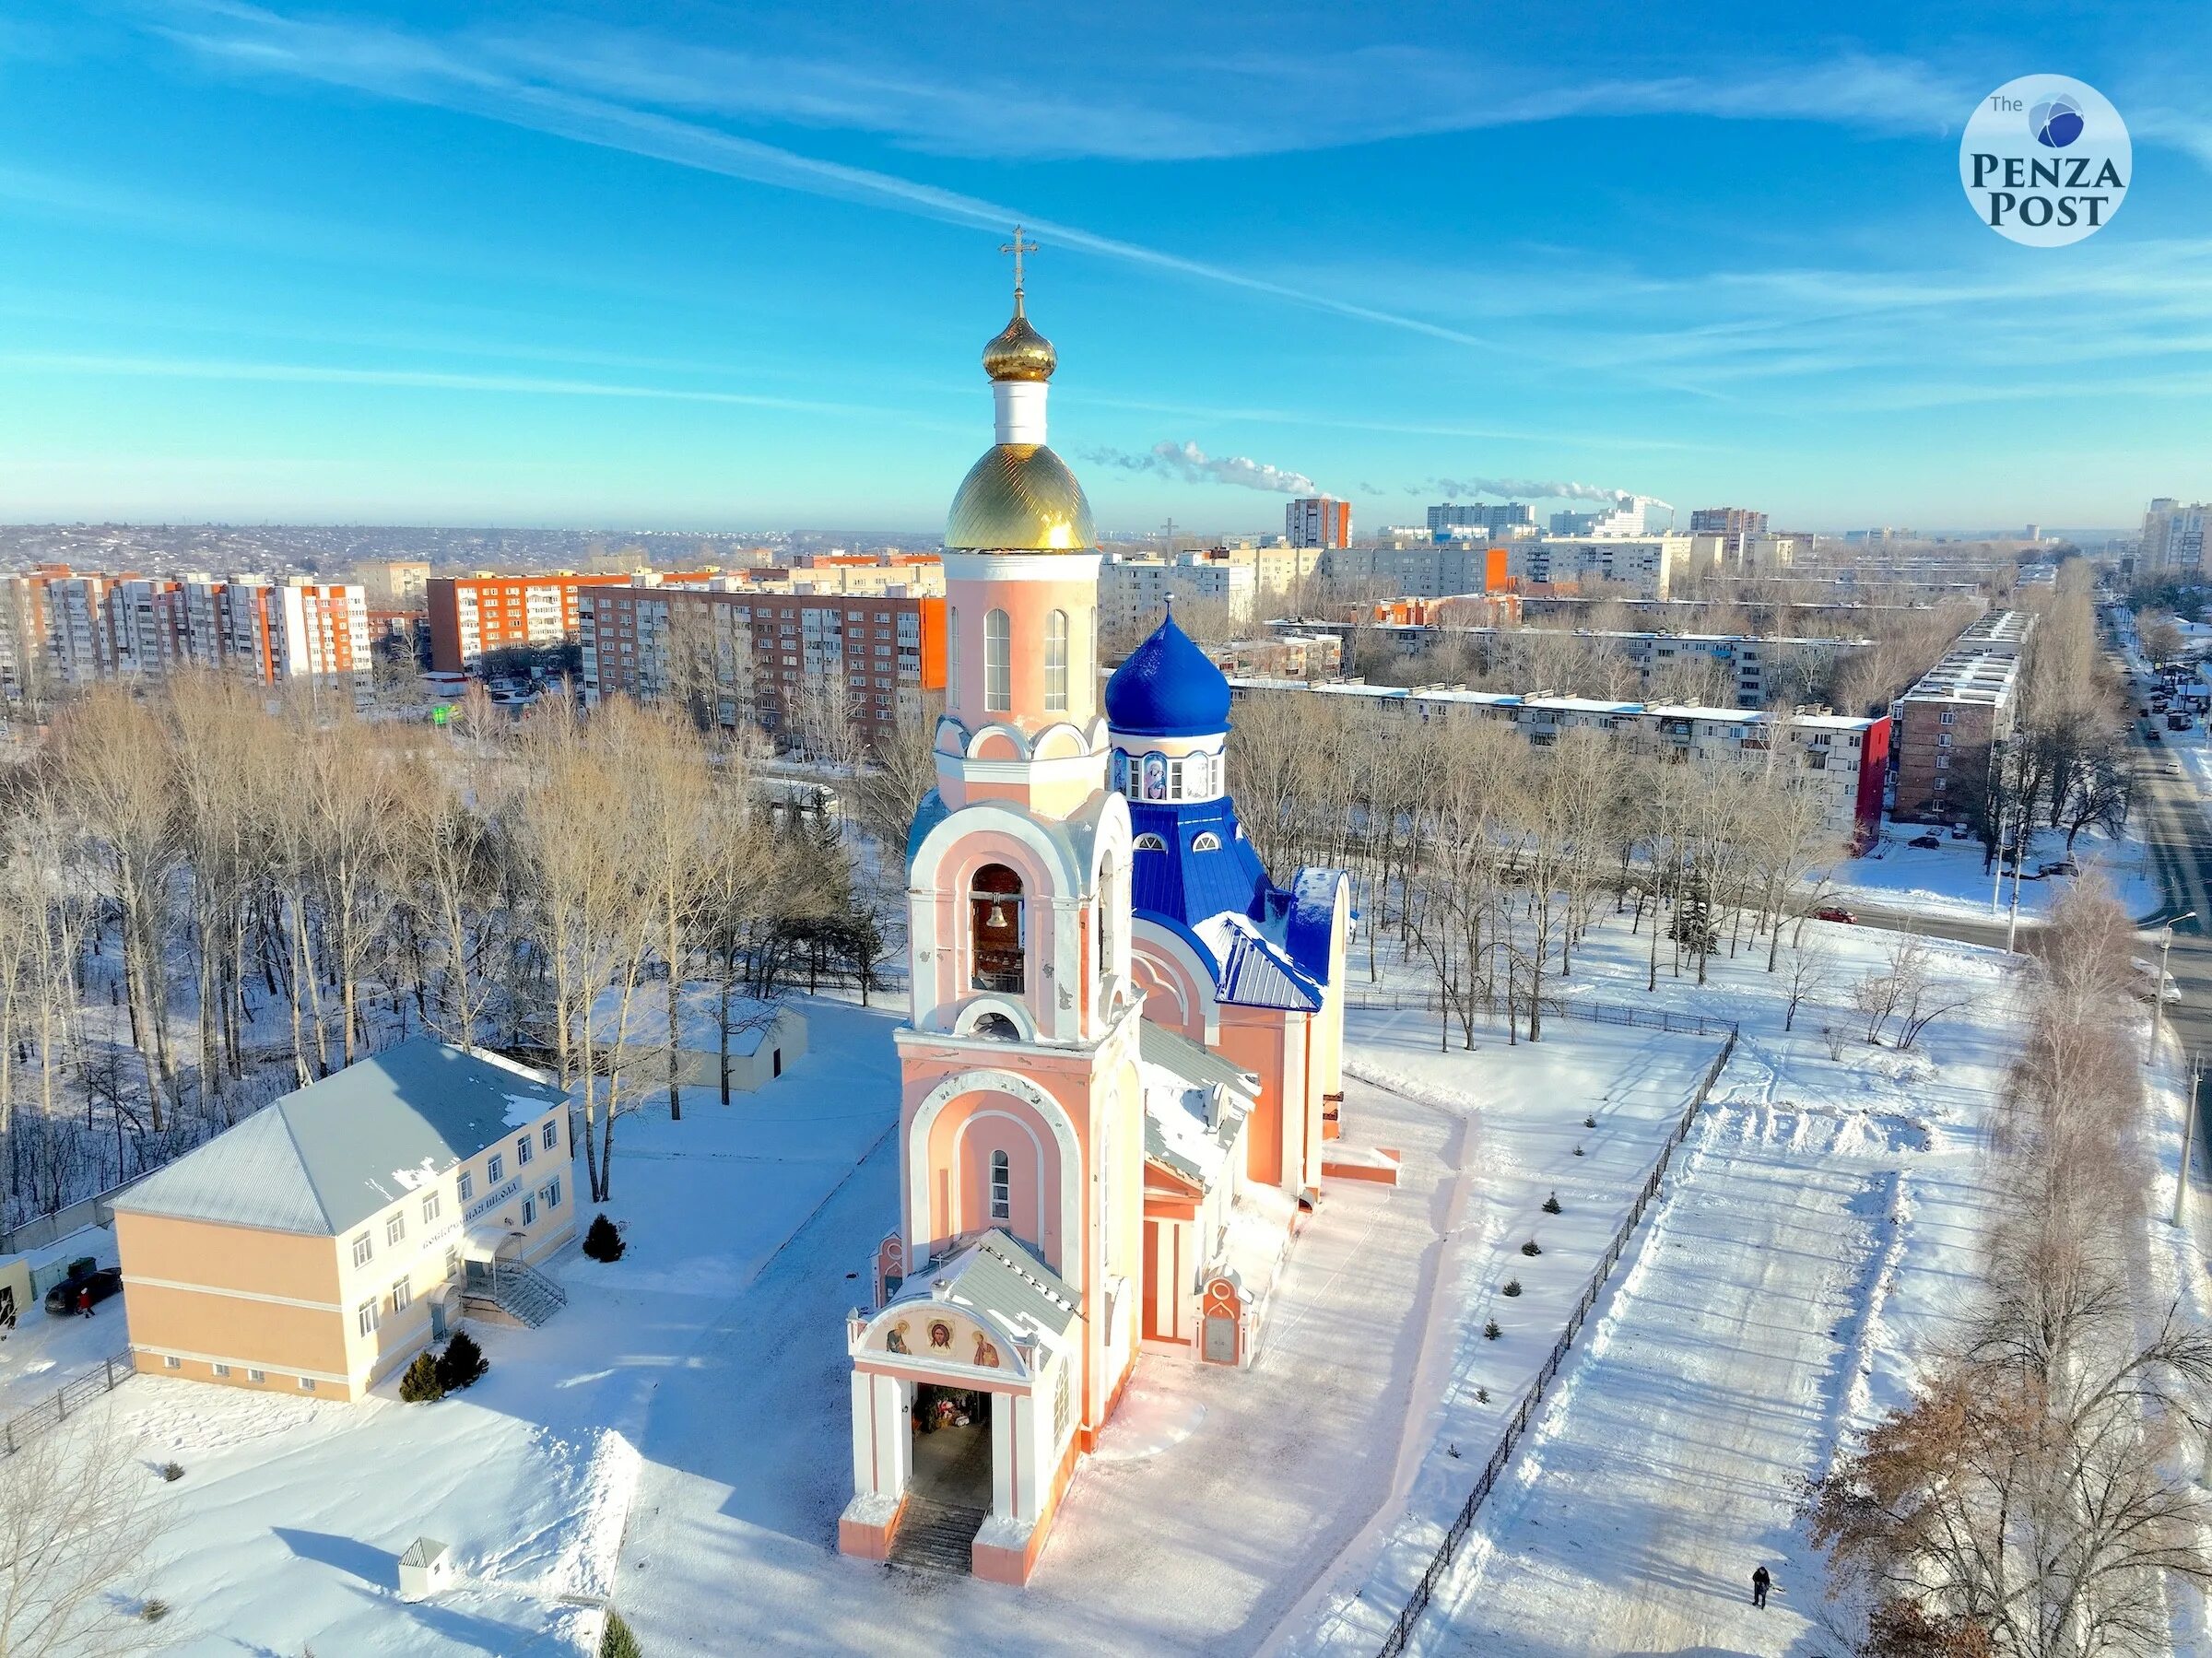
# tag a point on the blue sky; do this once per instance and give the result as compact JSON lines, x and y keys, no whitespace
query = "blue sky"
{"x":690,"y":265}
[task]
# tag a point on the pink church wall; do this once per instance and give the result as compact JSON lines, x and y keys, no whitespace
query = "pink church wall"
{"x":1028,"y":605}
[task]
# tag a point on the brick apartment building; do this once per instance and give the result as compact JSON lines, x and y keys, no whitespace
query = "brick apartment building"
{"x":1945,"y":722}
{"x":752,"y":651}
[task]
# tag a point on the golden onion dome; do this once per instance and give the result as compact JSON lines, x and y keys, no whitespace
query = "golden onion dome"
{"x":1020,"y":498}
{"x":1018,"y":352}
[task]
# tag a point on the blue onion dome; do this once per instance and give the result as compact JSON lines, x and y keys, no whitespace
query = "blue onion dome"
{"x":1168,"y":688}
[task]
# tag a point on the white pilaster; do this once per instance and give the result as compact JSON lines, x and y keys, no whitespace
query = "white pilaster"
{"x":1005,"y":1410}
{"x":863,"y":1443}
{"x":894,"y":1449}
{"x":1036,"y":1454}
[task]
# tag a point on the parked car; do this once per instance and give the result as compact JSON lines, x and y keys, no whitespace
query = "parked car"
{"x":1835,"y":912}
{"x":2172,"y":768}
{"x":2167,"y":990}
{"x":1926,"y":842}
{"x":102,"y":1281}
{"x":2150,"y":734}
{"x":2063,"y":866}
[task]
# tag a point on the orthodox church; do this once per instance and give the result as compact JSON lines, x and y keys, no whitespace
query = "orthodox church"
{"x":1123,"y":1062}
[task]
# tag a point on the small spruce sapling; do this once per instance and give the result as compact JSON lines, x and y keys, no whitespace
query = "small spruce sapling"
{"x":601,"y":1241}
{"x":1513,"y":1286}
{"x":420,"y":1385}
{"x":1490,"y":1330}
{"x":462,"y":1362}
{"x":1551,"y":1204}
{"x":1532,"y":1248}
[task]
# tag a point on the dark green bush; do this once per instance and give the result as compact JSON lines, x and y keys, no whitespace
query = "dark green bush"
{"x":601,"y":1241}
{"x":420,"y":1384}
{"x":462,"y":1362}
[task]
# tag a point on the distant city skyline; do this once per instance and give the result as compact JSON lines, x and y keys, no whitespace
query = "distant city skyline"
{"x":382,"y":266}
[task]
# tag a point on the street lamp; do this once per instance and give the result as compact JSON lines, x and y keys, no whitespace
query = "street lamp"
{"x":2157,"y":989}
{"x":2180,"y":1178}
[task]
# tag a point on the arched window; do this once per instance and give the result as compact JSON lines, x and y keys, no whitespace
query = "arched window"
{"x":1110,"y":911}
{"x":1002,"y":1188}
{"x":998,"y":662}
{"x":996,"y":1027}
{"x":952,"y":656}
{"x":1121,"y":772}
{"x":1056,"y":663}
{"x":1150,"y":843}
{"x":1208,"y":842}
{"x":994,"y":930}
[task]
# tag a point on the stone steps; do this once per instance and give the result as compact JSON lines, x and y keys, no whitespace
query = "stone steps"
{"x":935,"y":1537}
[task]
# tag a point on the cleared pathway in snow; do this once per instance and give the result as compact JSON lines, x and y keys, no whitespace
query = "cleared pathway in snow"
{"x":1709,"y":1390}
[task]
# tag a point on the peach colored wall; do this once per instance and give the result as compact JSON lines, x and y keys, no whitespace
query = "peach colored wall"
{"x":268,"y":1333}
{"x":296,"y":1265}
{"x":1028,"y":604}
{"x":1172,"y":1001}
{"x":1252,"y":1038}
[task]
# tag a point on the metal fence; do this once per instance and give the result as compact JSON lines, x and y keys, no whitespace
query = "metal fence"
{"x":1559,"y":1007}
{"x":56,"y":1224}
{"x":111,"y":1373}
{"x":1531,"y":1402}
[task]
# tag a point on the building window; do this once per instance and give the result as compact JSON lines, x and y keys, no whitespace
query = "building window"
{"x":521,"y":1151}
{"x":222,"y":1370}
{"x":401,"y":1295}
{"x":430,"y":1205}
{"x":1002,"y":1188}
{"x":1208,"y":842}
{"x":395,"y":1228}
{"x":257,"y":1375}
{"x":495,"y":1168}
{"x":1062,"y":1403}
{"x":306,"y":1384}
{"x":552,"y":1135}
{"x":552,"y":1194}
{"x":995,"y":918}
{"x":1150,"y":843}
{"x":1949,"y":714}
{"x":452,"y":1262}
{"x":998,"y":662}
{"x":465,"y":1187}
{"x":172,"y":1362}
{"x":365,"y":1317}
{"x":363,"y":1249}
{"x":1056,"y":663}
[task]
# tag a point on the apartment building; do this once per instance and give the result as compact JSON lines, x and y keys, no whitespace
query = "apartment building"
{"x":397,"y":584}
{"x":320,"y":1244}
{"x":1649,"y":567}
{"x":1133,"y":592}
{"x":1452,"y":520}
{"x":1841,"y":759}
{"x":1947,"y":720}
{"x":63,"y":629}
{"x":1319,"y":520}
{"x":1739,"y":521}
{"x":2174,"y":537}
{"x":1424,"y":569}
{"x":1759,"y":670}
{"x":1287,"y":654}
{"x":752,"y":652}
{"x":1624,"y":518}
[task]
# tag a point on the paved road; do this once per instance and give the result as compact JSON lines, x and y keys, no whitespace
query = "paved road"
{"x":2178,"y":829}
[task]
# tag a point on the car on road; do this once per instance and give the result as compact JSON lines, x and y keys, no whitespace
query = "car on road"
{"x":2063,"y":866}
{"x":2172,"y":768}
{"x":1926,"y":842}
{"x":1835,"y":912}
{"x":102,"y":1281}
{"x":2150,"y":734}
{"x":2167,"y":990}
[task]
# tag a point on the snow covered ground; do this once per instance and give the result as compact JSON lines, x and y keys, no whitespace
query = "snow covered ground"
{"x":285,"y":1528}
{"x":43,"y":1351}
{"x":678,"y":1437}
{"x":1819,"y":1237}
{"x":1951,"y":879}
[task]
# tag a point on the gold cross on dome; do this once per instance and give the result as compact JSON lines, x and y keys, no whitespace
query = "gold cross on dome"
{"x":1017,"y":248}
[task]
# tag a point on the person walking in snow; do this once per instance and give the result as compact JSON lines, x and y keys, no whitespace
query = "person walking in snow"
{"x":1760,"y":1581}
{"x":84,"y":1302}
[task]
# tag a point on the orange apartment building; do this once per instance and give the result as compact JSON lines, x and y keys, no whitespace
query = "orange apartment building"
{"x":472,"y":616}
{"x":320,"y":1244}
{"x":759,"y":648}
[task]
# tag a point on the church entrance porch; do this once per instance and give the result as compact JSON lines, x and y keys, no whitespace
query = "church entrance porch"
{"x":948,"y":1489}
{"x":952,"y":1445}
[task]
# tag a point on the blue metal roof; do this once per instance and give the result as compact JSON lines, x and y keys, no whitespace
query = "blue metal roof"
{"x":1168,"y":688}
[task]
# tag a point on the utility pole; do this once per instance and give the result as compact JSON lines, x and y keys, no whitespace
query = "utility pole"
{"x":2188,"y":1141}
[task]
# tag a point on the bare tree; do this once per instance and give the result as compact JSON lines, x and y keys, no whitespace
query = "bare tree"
{"x":78,"y":1514}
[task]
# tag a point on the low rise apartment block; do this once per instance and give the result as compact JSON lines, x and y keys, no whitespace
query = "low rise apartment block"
{"x":320,"y":1244}
{"x":1947,"y":722}
{"x":1843,"y":759}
